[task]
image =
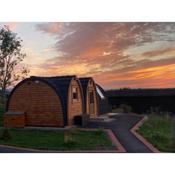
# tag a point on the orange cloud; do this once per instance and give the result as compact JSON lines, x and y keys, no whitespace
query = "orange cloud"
{"x":161,"y":76}
{"x":98,"y":50}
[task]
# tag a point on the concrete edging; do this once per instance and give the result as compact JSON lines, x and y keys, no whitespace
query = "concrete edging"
{"x":21,"y":148}
{"x":115,"y":141}
{"x":134,"y":130}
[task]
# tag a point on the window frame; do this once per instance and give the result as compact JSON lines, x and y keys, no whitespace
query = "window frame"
{"x":76,"y":92}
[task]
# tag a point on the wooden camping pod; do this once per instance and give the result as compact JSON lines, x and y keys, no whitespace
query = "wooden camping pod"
{"x":96,"y":102}
{"x":90,"y":96}
{"x":45,"y":101}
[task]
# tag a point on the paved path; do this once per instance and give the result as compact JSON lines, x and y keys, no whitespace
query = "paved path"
{"x":4,"y":149}
{"x":121,"y":128}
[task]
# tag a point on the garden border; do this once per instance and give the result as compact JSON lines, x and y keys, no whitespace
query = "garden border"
{"x":134,"y":130}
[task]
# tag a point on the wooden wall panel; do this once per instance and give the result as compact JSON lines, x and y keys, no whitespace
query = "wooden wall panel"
{"x":40,"y":103}
{"x":74,"y":106}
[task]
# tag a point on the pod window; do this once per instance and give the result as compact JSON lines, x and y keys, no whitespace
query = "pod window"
{"x":75,"y":93}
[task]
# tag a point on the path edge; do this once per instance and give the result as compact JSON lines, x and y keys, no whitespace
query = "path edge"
{"x":134,"y":130}
{"x":115,"y":141}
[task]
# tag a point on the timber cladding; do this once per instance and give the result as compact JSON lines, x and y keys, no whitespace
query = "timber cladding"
{"x":51,"y":101}
{"x":46,"y":101}
{"x":91,"y":100}
{"x":75,"y":104}
{"x":40,"y":103}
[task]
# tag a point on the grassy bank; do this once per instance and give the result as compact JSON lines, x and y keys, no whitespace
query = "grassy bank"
{"x":54,"y":140}
{"x":159,"y":130}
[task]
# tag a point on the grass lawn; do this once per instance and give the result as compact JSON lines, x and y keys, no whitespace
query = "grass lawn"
{"x":160,"y":131}
{"x":54,"y":140}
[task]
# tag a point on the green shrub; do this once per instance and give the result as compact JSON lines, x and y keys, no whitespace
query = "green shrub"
{"x":123,"y":108}
{"x":154,"y":110}
{"x":6,"y":135}
{"x":126,"y":108}
{"x":117,"y":110}
{"x":99,"y":131}
{"x":158,"y":112}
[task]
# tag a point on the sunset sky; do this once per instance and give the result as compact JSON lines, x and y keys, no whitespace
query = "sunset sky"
{"x":116,"y":55}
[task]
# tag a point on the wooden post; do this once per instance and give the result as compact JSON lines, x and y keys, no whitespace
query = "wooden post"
{"x":68,"y":136}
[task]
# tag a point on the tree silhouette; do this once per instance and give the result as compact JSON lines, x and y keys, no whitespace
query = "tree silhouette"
{"x":10,"y":57}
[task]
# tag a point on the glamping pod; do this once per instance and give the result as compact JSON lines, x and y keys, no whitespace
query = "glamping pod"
{"x":44,"y":101}
{"x":95,"y":99}
{"x":90,"y":96}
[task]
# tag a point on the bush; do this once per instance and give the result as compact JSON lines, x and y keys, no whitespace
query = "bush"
{"x":123,"y":108}
{"x":117,"y":110}
{"x":99,"y":131}
{"x":158,"y":112}
{"x":154,"y":110}
{"x":6,"y":135}
{"x":126,"y":108}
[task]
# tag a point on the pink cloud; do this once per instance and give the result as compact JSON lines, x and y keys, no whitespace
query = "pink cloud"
{"x":12,"y":25}
{"x":50,"y":28}
{"x":98,"y":50}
